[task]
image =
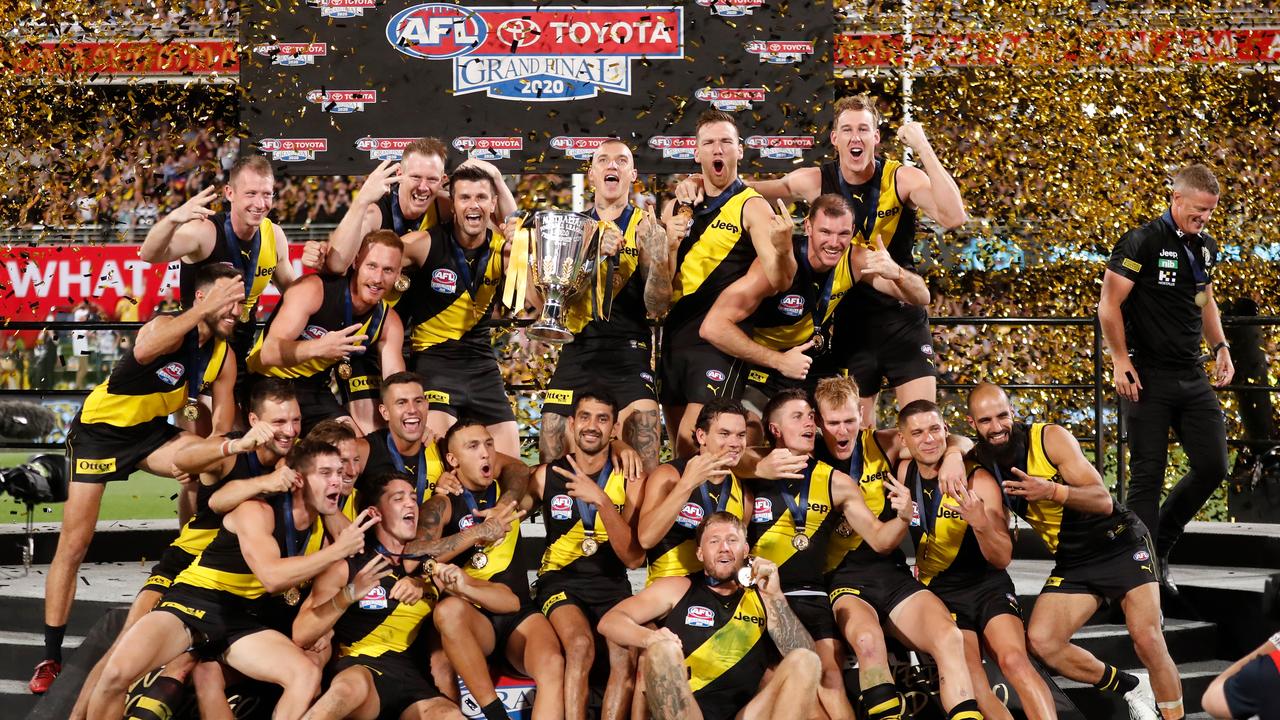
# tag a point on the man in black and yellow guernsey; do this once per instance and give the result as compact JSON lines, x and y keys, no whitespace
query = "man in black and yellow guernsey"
{"x":680,"y":494}
{"x":213,"y":606}
{"x":472,"y":636}
{"x":455,"y":273}
{"x":721,"y":231}
{"x":867,"y":586}
{"x":718,"y":630}
{"x":1101,"y":551}
{"x":772,"y":336}
{"x":242,"y":235}
{"x":406,"y":444}
{"x":962,"y":550}
{"x":881,"y":341}
{"x":612,"y":343}
{"x":376,"y":673}
{"x":590,"y":509}
{"x":324,"y":319}
{"x":792,"y":522}
{"x":124,"y":426}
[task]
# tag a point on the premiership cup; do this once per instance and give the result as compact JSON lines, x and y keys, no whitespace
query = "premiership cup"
{"x":563,"y":249}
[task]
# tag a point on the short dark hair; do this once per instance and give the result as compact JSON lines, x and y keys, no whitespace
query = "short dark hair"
{"x":275,"y":389}
{"x":776,"y":402}
{"x":404,"y":377}
{"x":471,"y":173}
{"x":719,"y":516}
{"x":716,"y":408}
{"x":210,"y":273}
{"x":254,"y":163}
{"x":332,"y":432}
{"x":831,"y":205}
{"x":302,"y":457}
{"x":371,"y":488}
{"x":597,"y":394}
{"x":454,"y":429}
{"x":917,"y":407}
{"x":709,"y":117}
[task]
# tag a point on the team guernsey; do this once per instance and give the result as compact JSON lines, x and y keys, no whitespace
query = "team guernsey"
{"x":725,"y":643}
{"x":675,"y":555}
{"x":424,"y":466}
{"x":453,"y":295}
{"x":786,"y":510}
{"x":869,"y":466}
{"x":501,"y":563}
{"x":256,"y":260}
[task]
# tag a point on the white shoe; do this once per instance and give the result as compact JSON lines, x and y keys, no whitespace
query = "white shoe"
{"x":1142,"y":701}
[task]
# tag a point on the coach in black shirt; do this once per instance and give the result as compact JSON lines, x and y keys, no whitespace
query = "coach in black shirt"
{"x":1157,"y":302}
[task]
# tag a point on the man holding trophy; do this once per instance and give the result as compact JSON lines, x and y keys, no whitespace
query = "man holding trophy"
{"x":612,"y":343}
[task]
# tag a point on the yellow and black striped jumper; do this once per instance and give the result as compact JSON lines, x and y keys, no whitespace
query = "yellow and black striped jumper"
{"x":949,"y":559}
{"x":675,"y":555}
{"x":507,"y":562}
{"x":611,"y":344}
{"x":255,"y":258}
{"x":126,"y":418}
{"x":579,"y":565}
{"x":425,"y":466}
{"x":725,"y":643}
{"x":869,"y":466}
{"x":311,"y":379}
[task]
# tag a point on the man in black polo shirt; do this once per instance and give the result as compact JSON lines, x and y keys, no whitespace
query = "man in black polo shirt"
{"x":1157,"y":302}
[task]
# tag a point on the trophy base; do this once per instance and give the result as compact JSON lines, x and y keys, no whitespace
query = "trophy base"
{"x":549,"y":333}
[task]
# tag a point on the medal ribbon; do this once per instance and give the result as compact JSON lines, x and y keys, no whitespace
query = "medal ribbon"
{"x":197,"y":363}
{"x":714,"y":204}
{"x":602,"y":302}
{"x":373,"y":324}
{"x":866,"y":216}
{"x":587,"y":511}
{"x":1198,"y":270}
{"x":398,"y":460}
{"x":856,"y":461}
{"x":800,"y":510}
{"x":929,"y":511}
{"x":292,"y":547}
{"x":824,"y":293}
{"x":488,"y":501}
{"x":464,"y":268}
{"x":246,"y":263}
{"x":722,"y":502}
{"x":398,"y":222}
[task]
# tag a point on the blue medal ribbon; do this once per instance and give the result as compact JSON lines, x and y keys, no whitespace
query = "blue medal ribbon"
{"x":713,"y":205}
{"x":398,"y":222}
{"x":375,"y":322}
{"x":799,"y":510}
{"x":856,"y":461}
{"x":1198,"y":270}
{"x":464,"y":267}
{"x":824,"y":292}
{"x":866,"y":211}
{"x":398,"y":460}
{"x":588,"y":511}
{"x":197,"y":363}
{"x":292,"y":547}
{"x":488,"y":500}
{"x":246,"y":263}
{"x":928,"y":511}
{"x":722,"y":502}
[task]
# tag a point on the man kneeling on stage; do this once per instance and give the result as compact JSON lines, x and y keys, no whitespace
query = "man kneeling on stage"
{"x":710,"y":651}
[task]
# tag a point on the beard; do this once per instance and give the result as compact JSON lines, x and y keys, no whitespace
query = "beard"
{"x":1008,"y":454}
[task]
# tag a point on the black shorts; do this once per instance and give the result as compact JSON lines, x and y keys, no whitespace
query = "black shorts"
{"x":365,"y":382}
{"x":473,"y":390}
{"x":1255,"y":690}
{"x":595,"y":596}
{"x":173,"y":561}
{"x":883,"y":585}
{"x":974,"y":604}
{"x":506,"y":623}
{"x":695,"y":373}
{"x":890,"y":353}
{"x":102,"y":453}
{"x":397,"y":680}
{"x":216,"y":619}
{"x":755,"y":385}
{"x":815,"y":615}
{"x":620,"y":367}
{"x":1109,"y":576}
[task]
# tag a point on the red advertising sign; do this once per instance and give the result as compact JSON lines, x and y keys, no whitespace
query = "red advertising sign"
{"x":128,"y":57}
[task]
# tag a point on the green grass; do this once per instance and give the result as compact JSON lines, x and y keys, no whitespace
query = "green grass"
{"x":143,"y":497}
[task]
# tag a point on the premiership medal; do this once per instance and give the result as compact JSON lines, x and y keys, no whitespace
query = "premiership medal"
{"x":479,"y":559}
{"x":589,"y":546}
{"x":402,"y":283}
{"x":292,"y":596}
{"x":819,"y":342}
{"x":746,"y":576}
{"x":344,"y":370}
{"x":191,"y":411}
{"x":800,"y":542}
{"x":1202,"y":298}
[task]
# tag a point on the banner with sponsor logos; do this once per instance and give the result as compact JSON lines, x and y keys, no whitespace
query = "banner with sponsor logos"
{"x":338,"y":85}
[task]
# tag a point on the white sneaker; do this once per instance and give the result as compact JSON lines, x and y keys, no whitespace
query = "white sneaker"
{"x":1142,"y":701}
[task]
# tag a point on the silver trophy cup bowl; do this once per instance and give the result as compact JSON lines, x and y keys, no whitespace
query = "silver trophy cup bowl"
{"x":563,"y":250}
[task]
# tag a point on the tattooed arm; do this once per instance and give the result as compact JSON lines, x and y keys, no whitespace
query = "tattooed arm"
{"x":513,"y":478}
{"x":643,"y":432}
{"x":655,"y":259}
{"x":781,"y":622}
{"x":431,"y":521}
{"x":552,"y":440}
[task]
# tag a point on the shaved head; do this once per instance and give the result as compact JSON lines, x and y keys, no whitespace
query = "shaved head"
{"x":613,"y":145}
{"x":984,"y":391}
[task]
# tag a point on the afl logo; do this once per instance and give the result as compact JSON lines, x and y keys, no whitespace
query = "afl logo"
{"x":715,"y":375}
{"x":518,"y":32}
{"x":763,"y":511}
{"x":376,"y":599}
{"x":466,"y":521}
{"x":445,"y":281}
{"x":699,"y":616}
{"x":690,"y":515}
{"x":438,"y":31}
{"x":791,"y":305}
{"x":561,"y":507}
{"x":1142,"y":556}
{"x":313,"y":332}
{"x":171,"y":374}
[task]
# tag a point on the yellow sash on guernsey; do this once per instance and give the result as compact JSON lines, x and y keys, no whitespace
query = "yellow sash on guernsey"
{"x":682,"y":559}
{"x":465,"y":312}
{"x":578,"y":313}
{"x":568,"y":547}
{"x":1044,"y":516}
{"x":121,"y":410}
{"x":888,"y":209}
{"x":711,"y":248}
{"x":394,"y":634}
{"x":500,"y":555}
{"x":776,"y":543}
{"x":729,"y":644}
{"x":875,"y":470}
{"x":246,"y":585}
{"x":314,"y":366}
{"x":938,"y":549}
{"x":785,"y":337}
{"x":266,"y":268}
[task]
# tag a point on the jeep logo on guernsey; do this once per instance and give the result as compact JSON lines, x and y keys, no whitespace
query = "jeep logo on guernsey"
{"x":780,"y":52}
{"x":343,"y":8}
{"x":791,"y":305}
{"x":532,"y":53}
{"x":781,"y":147}
{"x":676,"y":147}
{"x":292,"y":54}
{"x":732,"y":8}
{"x":171,"y":373}
{"x":488,"y":148}
{"x":294,"y":150}
{"x":731,"y":99}
{"x":342,"y":101}
{"x":383,"y":148}
{"x":578,"y":148}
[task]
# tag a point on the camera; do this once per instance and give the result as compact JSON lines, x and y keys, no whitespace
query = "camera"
{"x":42,"y":479}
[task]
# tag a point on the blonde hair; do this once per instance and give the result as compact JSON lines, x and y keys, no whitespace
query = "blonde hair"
{"x":836,"y":391}
{"x":1198,"y":177}
{"x":857,"y":102}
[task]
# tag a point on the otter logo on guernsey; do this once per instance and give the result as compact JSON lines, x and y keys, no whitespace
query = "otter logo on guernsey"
{"x":781,"y":147}
{"x":676,"y":147}
{"x":781,"y":52}
{"x":578,"y":148}
{"x":343,"y":8}
{"x":292,"y":54}
{"x":342,"y":101}
{"x":488,"y":148}
{"x":731,"y":99}
{"x":294,"y":149}
{"x":532,"y":53}
{"x":383,"y":148}
{"x":732,"y":8}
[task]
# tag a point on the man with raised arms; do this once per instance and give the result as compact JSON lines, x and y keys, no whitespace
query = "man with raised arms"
{"x":612,"y":342}
{"x":718,"y":627}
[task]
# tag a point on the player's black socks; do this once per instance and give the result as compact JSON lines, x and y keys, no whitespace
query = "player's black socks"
{"x":967,"y":710}
{"x":1116,"y":680}
{"x":53,"y":642}
{"x":495,"y":711}
{"x":159,"y":701}
{"x":881,"y":702}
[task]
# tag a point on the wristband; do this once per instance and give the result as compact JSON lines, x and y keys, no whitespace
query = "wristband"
{"x":1275,"y":640}
{"x":349,"y":593}
{"x":1066,"y":493}
{"x":1219,"y":346}
{"x":226,"y":448}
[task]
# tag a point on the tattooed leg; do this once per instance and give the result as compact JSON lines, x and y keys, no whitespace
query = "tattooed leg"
{"x":553,"y":438}
{"x":665,"y":685}
{"x":642,"y":430}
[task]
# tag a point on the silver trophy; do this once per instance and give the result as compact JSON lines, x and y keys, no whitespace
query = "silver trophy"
{"x":564,"y":255}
